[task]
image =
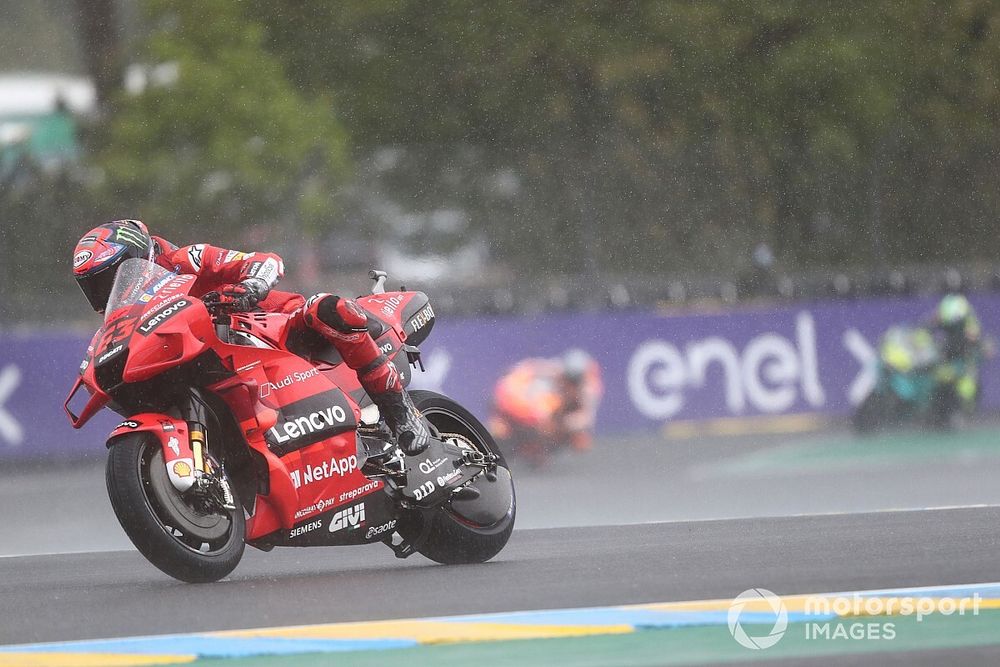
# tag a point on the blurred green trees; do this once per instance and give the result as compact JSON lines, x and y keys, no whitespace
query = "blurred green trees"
{"x":672,"y":135}
{"x":218,"y":138}
{"x":606,"y":136}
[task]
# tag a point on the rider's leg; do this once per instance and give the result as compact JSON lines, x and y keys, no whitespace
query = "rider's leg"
{"x":344,"y":324}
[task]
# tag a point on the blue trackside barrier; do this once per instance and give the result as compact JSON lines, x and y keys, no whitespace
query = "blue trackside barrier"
{"x":658,"y":369}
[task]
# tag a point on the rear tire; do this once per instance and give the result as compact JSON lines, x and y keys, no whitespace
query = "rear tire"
{"x":879,"y":410}
{"x":179,"y":539}
{"x":945,"y":409}
{"x":453,"y":540}
{"x":867,"y":416}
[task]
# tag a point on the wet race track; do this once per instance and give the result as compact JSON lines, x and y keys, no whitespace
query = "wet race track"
{"x":638,"y":520}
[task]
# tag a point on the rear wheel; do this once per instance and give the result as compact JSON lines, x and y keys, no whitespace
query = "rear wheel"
{"x":945,"y":408}
{"x":465,"y":531}
{"x":191,"y":543}
{"x":879,"y":410}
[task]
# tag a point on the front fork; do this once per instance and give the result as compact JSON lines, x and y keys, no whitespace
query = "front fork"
{"x":185,"y":457}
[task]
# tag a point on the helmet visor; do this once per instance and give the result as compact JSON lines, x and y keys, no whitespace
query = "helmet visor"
{"x":97,"y":286}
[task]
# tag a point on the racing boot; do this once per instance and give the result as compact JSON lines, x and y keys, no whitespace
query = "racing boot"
{"x":396,"y":407}
{"x":403,"y":420}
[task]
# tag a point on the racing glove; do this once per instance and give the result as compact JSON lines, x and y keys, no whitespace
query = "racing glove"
{"x":241,"y":296}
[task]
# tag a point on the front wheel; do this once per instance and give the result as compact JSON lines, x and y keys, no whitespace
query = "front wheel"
{"x":187,"y":541}
{"x":465,"y":531}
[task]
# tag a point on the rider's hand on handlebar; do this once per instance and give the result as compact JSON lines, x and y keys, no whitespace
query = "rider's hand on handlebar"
{"x":237,"y":297}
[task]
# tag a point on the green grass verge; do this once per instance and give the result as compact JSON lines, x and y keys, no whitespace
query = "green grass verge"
{"x":693,"y":645}
{"x":849,"y":451}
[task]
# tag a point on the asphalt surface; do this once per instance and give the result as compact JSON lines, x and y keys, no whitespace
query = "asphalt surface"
{"x":639,"y":478}
{"x":113,"y":594}
{"x":639,"y":519}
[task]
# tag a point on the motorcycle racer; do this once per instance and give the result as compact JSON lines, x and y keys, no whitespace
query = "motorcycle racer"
{"x":542,"y":403}
{"x":962,"y":347}
{"x":243,"y":281}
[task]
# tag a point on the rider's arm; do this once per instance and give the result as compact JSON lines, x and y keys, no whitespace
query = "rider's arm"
{"x":219,"y":266}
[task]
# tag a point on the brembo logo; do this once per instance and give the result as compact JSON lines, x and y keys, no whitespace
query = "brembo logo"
{"x":163,"y":315}
{"x":350,"y":518}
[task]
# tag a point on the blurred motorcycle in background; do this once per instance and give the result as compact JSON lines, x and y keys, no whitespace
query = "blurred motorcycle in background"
{"x":916,"y":384}
{"x":542,"y":406}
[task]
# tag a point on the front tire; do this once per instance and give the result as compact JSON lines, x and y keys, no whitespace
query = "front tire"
{"x":181,"y":540}
{"x":453,"y":539}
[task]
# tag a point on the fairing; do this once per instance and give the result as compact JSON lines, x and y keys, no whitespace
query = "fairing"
{"x":300,"y":416}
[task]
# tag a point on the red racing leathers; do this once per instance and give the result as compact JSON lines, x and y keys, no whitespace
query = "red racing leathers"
{"x":339,"y":320}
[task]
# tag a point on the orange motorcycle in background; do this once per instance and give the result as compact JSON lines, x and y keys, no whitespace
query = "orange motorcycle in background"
{"x":544,"y":405}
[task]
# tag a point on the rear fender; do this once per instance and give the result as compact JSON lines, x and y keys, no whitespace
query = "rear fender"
{"x":175,"y":439}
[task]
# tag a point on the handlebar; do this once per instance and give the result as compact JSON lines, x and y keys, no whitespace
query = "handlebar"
{"x":219,"y":311}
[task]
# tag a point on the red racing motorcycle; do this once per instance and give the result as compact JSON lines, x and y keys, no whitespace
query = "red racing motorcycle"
{"x":239,"y":431}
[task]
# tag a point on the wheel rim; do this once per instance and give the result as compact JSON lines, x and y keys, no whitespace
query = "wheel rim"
{"x":465,"y":428}
{"x":195,"y":530}
{"x":471,"y":434}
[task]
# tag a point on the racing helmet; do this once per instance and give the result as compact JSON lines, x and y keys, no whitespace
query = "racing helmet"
{"x":575,"y":363}
{"x":102,"y":250}
{"x":953,"y":310}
